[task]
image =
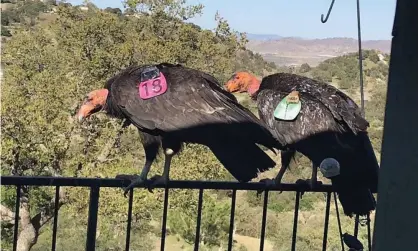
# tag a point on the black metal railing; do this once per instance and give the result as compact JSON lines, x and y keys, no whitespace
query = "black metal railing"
{"x":95,"y":185}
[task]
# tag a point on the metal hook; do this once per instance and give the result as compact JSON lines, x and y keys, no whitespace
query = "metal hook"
{"x":329,"y":12}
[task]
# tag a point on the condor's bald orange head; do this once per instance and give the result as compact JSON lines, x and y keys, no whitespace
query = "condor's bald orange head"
{"x":243,"y":82}
{"x":93,"y":103}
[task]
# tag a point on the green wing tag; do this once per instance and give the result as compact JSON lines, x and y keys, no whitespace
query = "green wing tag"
{"x":289,"y":107}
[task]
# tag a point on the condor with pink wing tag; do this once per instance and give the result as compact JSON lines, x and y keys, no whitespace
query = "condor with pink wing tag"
{"x":153,"y":87}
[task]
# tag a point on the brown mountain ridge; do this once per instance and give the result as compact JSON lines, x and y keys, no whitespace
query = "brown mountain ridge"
{"x":296,"y":51}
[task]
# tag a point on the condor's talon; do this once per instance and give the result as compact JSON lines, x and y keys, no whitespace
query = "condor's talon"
{"x":314,"y":183}
{"x":125,"y":191}
{"x":303,"y":184}
{"x":157,"y":180}
{"x":308,"y":184}
{"x":269,"y":183}
{"x":135,"y":182}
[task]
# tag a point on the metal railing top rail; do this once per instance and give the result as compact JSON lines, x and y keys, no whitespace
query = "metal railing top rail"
{"x":178,"y":184}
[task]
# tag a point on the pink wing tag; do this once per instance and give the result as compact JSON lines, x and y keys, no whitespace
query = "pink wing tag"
{"x":153,"y":87}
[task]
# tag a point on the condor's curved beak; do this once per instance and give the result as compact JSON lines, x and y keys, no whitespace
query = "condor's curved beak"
{"x":85,"y":110}
{"x":231,"y":86}
{"x":94,"y":102}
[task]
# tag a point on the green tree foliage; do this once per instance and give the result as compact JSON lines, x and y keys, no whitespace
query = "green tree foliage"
{"x":5,"y":32}
{"x":4,"y":20}
{"x":344,"y":70}
{"x":215,"y":221}
{"x":322,"y":75}
{"x":305,"y":68}
{"x":372,"y":55}
{"x":116,"y":11}
{"x":8,"y":17}
{"x":253,"y":62}
{"x":24,"y":11}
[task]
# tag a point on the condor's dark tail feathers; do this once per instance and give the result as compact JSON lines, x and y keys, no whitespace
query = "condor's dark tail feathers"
{"x":358,"y":179}
{"x":354,"y":199}
{"x":243,"y":162}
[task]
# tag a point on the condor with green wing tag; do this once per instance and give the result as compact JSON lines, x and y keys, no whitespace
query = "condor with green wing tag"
{"x":289,"y":107}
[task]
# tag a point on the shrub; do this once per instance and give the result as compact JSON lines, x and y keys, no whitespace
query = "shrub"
{"x":304,"y":68}
{"x":5,"y":32}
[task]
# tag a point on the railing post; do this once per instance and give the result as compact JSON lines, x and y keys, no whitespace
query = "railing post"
{"x":231,"y":220}
{"x":164,"y":223}
{"x":17,"y":211}
{"x":295,"y":221}
{"x":54,"y":228}
{"x":92,"y":220}
{"x":339,"y":221}
{"x":199,"y":219}
{"x":326,"y":223}
{"x":263,"y":222}
{"x":129,"y":223}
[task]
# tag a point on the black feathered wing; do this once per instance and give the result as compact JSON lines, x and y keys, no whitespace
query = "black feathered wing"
{"x":192,"y":100}
{"x":341,"y":106}
{"x":314,"y":118}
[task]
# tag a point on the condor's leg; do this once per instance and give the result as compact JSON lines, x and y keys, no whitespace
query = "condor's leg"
{"x":286,"y":157}
{"x":151,"y":145}
{"x":170,"y":149}
{"x":313,"y":181}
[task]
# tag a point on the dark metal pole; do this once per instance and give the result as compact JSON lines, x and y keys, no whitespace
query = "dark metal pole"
{"x":231,"y":221}
{"x":164,"y":223}
{"x":129,"y":223}
{"x":54,"y":228}
{"x":356,"y":223}
{"x":295,"y":221}
{"x":338,"y":221}
{"x":92,"y":220}
{"x":360,"y":59}
{"x":17,"y":209}
{"x":263,"y":221}
{"x":327,"y":208}
{"x":199,"y":219}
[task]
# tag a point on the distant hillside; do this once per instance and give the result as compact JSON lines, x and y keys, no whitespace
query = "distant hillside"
{"x":263,"y":37}
{"x":296,"y":51}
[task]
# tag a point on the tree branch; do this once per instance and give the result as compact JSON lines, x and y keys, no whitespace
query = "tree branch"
{"x":43,"y":217}
{"x":24,"y":209}
{"x":7,"y":215}
{"x":104,"y":154}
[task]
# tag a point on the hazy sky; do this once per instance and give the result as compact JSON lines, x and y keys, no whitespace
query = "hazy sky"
{"x":301,"y":18}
